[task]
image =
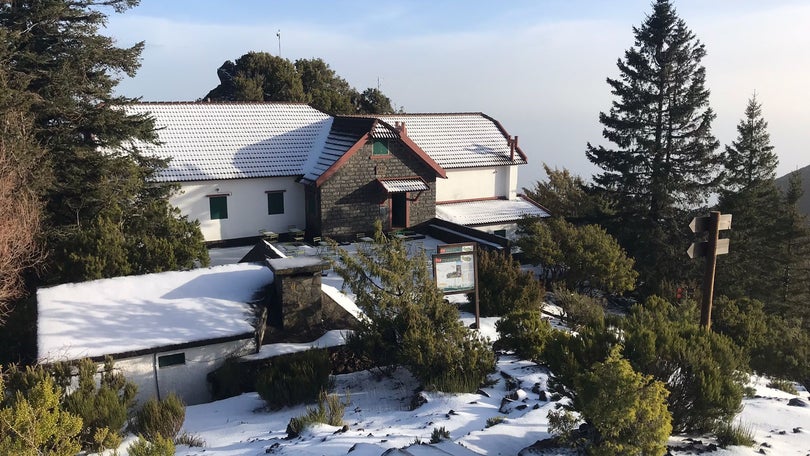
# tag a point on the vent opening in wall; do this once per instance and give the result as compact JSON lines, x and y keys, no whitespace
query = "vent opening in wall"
{"x":175,"y":359}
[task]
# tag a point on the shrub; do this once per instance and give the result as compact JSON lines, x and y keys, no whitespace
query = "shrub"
{"x":524,"y":332}
{"x":162,"y":418}
{"x":492,"y":421}
{"x":580,"y":310}
{"x":103,"y":409}
{"x":407,"y":321}
{"x":731,"y":434}
{"x":329,"y":411}
{"x":439,"y":434}
{"x":161,"y":446}
{"x":590,"y":257}
{"x":190,"y":440}
{"x":783,"y":385}
{"x":294,"y":379}
{"x":703,"y":370}
{"x":637,"y":423}
{"x":503,"y":287}
{"x":31,"y":420}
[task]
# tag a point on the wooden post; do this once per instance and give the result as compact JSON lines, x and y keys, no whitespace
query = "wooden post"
{"x":711,"y":265}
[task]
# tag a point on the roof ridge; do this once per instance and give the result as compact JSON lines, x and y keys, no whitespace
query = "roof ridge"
{"x":203,"y":102}
{"x":415,"y":114}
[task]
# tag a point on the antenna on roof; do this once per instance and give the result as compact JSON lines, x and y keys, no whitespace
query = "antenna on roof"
{"x":378,"y":83}
{"x":278,"y":34}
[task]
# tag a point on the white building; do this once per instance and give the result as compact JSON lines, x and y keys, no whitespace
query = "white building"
{"x":250,"y":167}
{"x":166,"y":331}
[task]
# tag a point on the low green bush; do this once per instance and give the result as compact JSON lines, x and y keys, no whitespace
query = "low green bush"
{"x":159,"y":447}
{"x":783,"y":385}
{"x":503,"y":287}
{"x":103,"y":407}
{"x":329,"y":411}
{"x":439,"y":434}
{"x":160,"y":418}
{"x":734,"y":434}
{"x":294,"y":379}
{"x":524,"y":332}
{"x":580,"y":310}
{"x":495,"y":420}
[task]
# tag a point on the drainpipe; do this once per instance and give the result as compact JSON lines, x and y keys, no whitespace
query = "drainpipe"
{"x":155,"y":370}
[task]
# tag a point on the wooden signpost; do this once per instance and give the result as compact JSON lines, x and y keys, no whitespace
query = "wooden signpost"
{"x":710,"y":248}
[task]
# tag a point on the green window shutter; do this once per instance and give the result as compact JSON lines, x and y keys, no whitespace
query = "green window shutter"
{"x":380,"y":148}
{"x":275,"y":203}
{"x":218,"y":206}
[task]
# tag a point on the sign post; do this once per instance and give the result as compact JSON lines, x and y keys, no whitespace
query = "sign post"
{"x":709,"y":248}
{"x":455,"y":270}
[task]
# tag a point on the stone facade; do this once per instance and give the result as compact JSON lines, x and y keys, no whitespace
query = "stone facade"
{"x":351,"y":200}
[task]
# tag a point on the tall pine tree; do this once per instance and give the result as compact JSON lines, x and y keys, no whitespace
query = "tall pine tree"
{"x":104,"y":214}
{"x":752,"y":267}
{"x":664,"y":159}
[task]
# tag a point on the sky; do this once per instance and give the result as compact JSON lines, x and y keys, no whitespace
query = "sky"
{"x":538,"y":67}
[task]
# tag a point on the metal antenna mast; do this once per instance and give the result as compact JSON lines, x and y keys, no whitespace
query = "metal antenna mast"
{"x":278,"y":34}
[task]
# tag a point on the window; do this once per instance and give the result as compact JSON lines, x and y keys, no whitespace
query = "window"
{"x":275,"y":203}
{"x":380,"y":147}
{"x":175,"y":359}
{"x":501,"y":233}
{"x":218,"y":206}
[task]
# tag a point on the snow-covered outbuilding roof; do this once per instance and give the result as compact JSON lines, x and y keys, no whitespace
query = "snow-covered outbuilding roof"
{"x":207,"y":141}
{"x":484,"y":212}
{"x":458,"y":140}
{"x":134,"y":314}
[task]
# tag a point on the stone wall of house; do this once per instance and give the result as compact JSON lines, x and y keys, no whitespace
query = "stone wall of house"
{"x":351,"y":199}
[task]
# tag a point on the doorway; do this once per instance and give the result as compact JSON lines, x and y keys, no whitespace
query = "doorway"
{"x":399,"y":210}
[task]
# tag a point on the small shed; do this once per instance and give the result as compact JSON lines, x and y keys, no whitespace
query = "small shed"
{"x":166,"y":331}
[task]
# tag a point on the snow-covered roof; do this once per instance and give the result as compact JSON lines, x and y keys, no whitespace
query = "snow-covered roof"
{"x":234,"y":140}
{"x":344,"y":133}
{"x":128,"y":314}
{"x":457,"y":140}
{"x":482,"y":212}
{"x":403,"y":185}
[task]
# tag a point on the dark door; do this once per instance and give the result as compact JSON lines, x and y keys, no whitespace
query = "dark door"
{"x":399,"y":210}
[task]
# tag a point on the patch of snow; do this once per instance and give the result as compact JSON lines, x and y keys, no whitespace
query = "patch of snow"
{"x":130,"y":313}
{"x":333,"y":338}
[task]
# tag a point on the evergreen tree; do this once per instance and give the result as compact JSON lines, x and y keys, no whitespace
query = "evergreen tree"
{"x":259,"y":76}
{"x":98,"y":187}
{"x":664,"y":158}
{"x":564,"y":194}
{"x":326,"y":91}
{"x":750,"y":159}
{"x":407,"y":321}
{"x":749,"y":193}
{"x":794,"y":251}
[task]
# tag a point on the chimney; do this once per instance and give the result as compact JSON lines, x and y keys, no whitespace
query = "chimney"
{"x":400,"y":126}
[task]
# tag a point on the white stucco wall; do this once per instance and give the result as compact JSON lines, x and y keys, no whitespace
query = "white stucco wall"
{"x":186,"y":380}
{"x":475,"y":183}
{"x":247,"y":206}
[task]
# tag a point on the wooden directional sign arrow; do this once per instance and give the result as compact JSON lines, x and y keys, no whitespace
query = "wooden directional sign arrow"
{"x":700,"y":249}
{"x":701,"y":224}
